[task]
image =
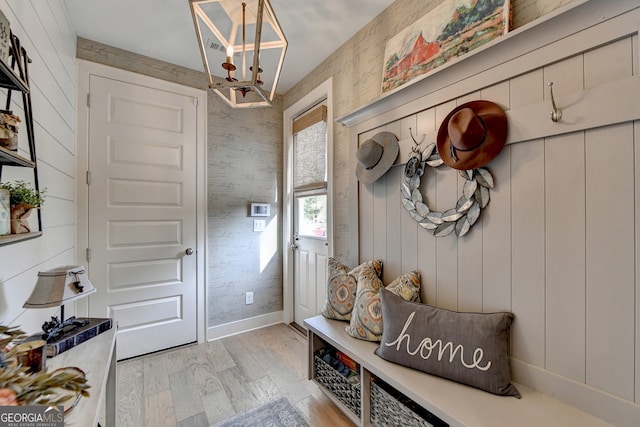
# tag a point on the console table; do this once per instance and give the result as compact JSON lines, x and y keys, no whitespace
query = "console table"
{"x":97,"y":358}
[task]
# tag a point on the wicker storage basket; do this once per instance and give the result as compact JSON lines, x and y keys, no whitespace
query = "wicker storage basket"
{"x":345,"y":391}
{"x":391,"y":408}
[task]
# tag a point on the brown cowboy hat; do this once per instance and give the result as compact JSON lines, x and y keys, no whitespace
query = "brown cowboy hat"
{"x":375,"y":156}
{"x":472,"y":135}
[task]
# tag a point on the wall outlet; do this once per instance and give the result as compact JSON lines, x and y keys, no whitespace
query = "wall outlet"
{"x":248,"y":298}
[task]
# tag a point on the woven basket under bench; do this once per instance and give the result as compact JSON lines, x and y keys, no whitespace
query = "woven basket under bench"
{"x":391,"y":408}
{"x":344,"y":390}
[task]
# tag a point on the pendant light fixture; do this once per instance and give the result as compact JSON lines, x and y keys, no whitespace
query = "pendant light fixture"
{"x":242,"y":48}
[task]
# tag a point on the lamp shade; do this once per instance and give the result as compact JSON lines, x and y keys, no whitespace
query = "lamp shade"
{"x":59,"y":286}
{"x":242,"y":48}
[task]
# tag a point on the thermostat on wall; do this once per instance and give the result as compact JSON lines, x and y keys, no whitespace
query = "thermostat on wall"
{"x":259,"y":209}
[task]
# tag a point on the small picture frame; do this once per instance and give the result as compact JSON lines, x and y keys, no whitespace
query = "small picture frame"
{"x":260,"y":209}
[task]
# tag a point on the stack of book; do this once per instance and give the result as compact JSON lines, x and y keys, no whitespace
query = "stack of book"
{"x":93,"y":328}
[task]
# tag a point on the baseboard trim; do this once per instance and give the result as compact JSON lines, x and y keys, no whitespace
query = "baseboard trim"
{"x":244,"y":325}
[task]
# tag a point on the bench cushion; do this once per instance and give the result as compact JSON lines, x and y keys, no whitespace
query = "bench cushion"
{"x":470,"y":348}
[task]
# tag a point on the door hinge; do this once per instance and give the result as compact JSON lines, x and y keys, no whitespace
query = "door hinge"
{"x":88,"y":100}
{"x":88,"y":177}
{"x":195,"y":101}
{"x":88,"y":254}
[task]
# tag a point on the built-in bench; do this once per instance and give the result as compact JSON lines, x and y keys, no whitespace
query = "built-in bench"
{"x":452,"y":403}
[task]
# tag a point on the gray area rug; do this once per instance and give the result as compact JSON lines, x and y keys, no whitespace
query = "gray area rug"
{"x":278,"y":413}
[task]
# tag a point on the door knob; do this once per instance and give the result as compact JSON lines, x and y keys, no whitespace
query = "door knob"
{"x":189,"y":251}
{"x":294,"y":247}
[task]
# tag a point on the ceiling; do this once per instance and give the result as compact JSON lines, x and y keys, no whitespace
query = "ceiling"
{"x":163,"y":29}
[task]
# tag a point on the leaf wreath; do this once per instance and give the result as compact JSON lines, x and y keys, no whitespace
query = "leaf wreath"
{"x":474,"y":198}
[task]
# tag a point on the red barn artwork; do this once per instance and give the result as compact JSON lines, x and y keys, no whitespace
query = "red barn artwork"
{"x":450,"y":30}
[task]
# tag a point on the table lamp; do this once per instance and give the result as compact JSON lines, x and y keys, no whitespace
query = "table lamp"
{"x":57,"y":287}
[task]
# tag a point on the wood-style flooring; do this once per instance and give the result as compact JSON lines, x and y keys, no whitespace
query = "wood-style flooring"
{"x":201,"y":385}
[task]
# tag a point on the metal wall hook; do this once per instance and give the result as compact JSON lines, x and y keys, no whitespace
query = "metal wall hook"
{"x":556,"y":113}
{"x":418,"y":144}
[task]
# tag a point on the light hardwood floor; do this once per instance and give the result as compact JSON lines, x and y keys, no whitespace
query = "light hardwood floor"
{"x":200,"y":385}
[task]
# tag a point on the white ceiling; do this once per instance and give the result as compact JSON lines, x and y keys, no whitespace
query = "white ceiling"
{"x":163,"y":29}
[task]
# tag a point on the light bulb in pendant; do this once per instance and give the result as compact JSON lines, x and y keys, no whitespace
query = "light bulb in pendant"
{"x":230,"y":54}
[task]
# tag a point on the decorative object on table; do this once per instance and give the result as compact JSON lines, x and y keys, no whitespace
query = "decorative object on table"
{"x":366,"y":320}
{"x":9,"y":130}
{"x":5,"y":212}
{"x":32,"y":354}
{"x":277,"y":413}
{"x":470,"y":136}
{"x":90,"y":328}
{"x":447,"y":32}
{"x":59,"y":286}
{"x":23,"y":200}
{"x":19,"y":387}
{"x":375,"y":156}
{"x":342,"y":287}
{"x":469,"y":348}
{"x":71,"y":397}
{"x":222,"y":37}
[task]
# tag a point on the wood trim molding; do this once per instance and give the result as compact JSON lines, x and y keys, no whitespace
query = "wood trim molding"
{"x":485,"y":65}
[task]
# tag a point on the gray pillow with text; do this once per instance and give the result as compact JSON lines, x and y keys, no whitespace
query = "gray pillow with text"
{"x":469,"y":348}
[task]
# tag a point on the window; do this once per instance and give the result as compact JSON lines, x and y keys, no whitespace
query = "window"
{"x":310,"y":172}
{"x":312,"y":215}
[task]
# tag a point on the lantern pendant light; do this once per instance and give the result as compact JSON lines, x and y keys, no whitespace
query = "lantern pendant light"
{"x":242,"y":47}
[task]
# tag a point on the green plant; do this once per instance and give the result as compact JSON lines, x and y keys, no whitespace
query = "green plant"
{"x":21,"y":192}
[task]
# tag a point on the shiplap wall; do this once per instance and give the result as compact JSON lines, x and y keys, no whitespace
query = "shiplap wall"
{"x":45,"y":31}
{"x":557,"y":245}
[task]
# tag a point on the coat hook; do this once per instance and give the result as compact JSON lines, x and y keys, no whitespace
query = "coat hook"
{"x":556,"y":114}
{"x":414,"y":140}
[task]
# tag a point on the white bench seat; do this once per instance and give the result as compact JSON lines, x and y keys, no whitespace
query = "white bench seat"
{"x":454,"y":403}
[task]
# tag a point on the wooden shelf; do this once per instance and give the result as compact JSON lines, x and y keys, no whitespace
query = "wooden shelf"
{"x":15,"y":78}
{"x":14,"y":238}
{"x":11,"y":158}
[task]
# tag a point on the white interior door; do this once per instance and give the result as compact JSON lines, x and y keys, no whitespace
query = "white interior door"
{"x":142,"y":214}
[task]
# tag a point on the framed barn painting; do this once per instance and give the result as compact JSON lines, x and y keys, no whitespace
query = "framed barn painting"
{"x":450,"y":30}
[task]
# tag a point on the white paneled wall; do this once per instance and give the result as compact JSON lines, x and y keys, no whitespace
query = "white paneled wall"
{"x":45,"y":31}
{"x":558,"y":244}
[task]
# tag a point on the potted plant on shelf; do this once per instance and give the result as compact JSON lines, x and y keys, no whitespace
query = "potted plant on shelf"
{"x":9,"y":130}
{"x":23,"y":200}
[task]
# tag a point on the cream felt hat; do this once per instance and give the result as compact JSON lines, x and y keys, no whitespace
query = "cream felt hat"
{"x":472,"y":135}
{"x":375,"y":156}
